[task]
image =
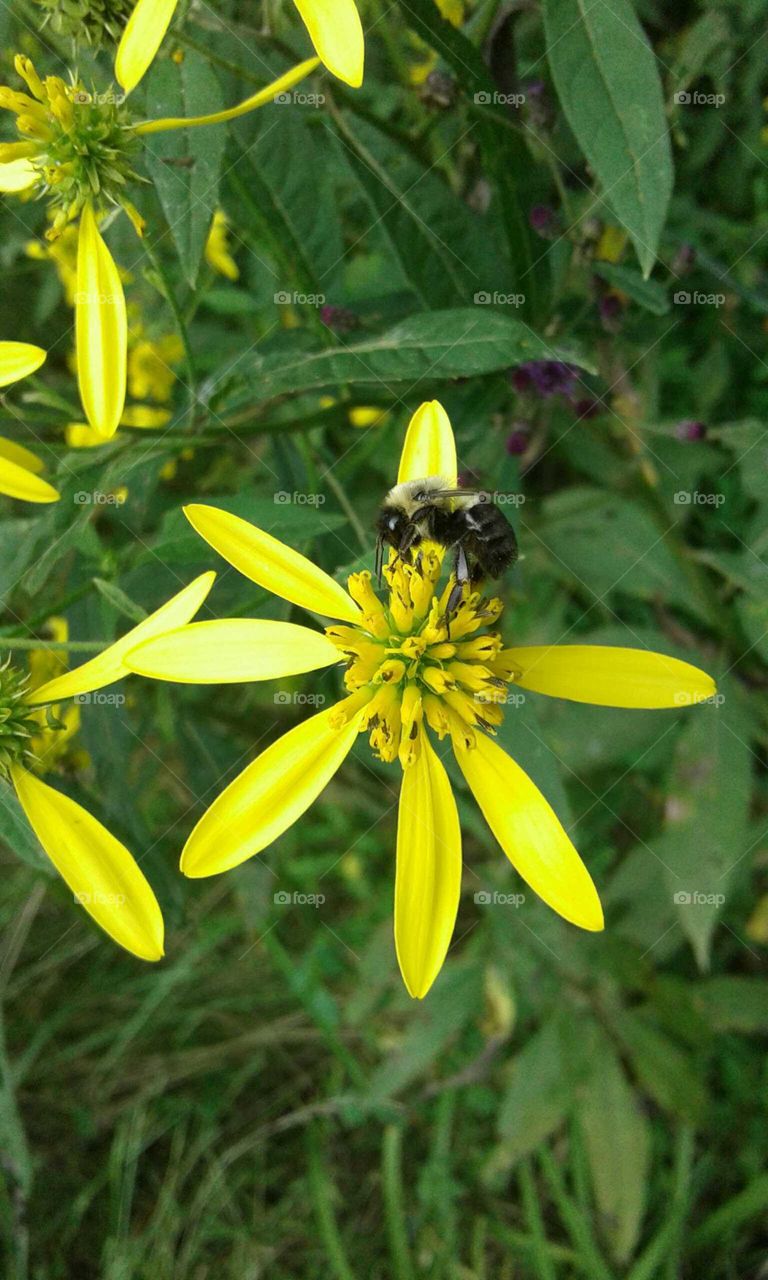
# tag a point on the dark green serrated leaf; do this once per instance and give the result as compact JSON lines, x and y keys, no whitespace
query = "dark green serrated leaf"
{"x":608,"y":83}
{"x":505,"y":154}
{"x":185,"y":164}
{"x":424,"y":348}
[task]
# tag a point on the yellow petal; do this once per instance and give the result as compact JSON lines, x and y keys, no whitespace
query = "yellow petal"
{"x":429,"y":448}
{"x":267,"y":797}
{"x":18,"y":360}
{"x":261,"y":99}
{"x":17,"y":175}
{"x":271,"y":563}
{"x":18,"y":482}
{"x":99,"y":870}
{"x":81,"y":435}
{"x":141,"y":40}
{"x":336,"y":32}
{"x":110,"y":665}
{"x":610,"y":677}
{"x":22,"y":457}
{"x":529,"y":832}
{"x":231,"y":650}
{"x":101,"y":329}
{"x":428,"y":878}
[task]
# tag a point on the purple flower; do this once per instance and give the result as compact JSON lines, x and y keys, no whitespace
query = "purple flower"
{"x":517,"y":440}
{"x":690,"y":429}
{"x":544,"y":221}
{"x":340,"y":319}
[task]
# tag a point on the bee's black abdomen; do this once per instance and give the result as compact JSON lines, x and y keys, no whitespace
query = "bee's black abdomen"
{"x":490,"y":540}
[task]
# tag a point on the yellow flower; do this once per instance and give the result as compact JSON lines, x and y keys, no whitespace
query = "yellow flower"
{"x":103,"y":876}
{"x":334,"y":28}
{"x":19,"y":467}
{"x":217,"y":251}
{"x":62,"y":252}
{"x":406,"y":679}
{"x":77,"y":149}
{"x":150,"y":367}
{"x":50,"y":746}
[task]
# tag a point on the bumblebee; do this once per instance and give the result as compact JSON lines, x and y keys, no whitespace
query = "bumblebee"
{"x":466,"y":522}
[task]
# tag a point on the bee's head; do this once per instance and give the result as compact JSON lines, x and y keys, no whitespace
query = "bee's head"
{"x":391,"y":526}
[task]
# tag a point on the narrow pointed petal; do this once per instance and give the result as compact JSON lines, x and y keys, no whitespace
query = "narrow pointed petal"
{"x":102,"y":874}
{"x":18,"y":360}
{"x":336,"y":32}
{"x":261,"y":99}
{"x":17,"y":175}
{"x":231,"y":650}
{"x":18,"y":482}
{"x":268,"y":797}
{"x":110,"y":665}
{"x":22,"y":457}
{"x":609,"y":677}
{"x":429,"y":448}
{"x":101,"y":329}
{"x":272,"y":564}
{"x":141,"y":39}
{"x":428,"y":878}
{"x":529,"y":832}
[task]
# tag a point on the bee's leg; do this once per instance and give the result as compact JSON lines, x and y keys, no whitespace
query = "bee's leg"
{"x":461,"y":573}
{"x":379,"y":560}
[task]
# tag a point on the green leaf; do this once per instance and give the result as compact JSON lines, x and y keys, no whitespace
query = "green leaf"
{"x":618,"y":1139}
{"x":707,"y":812}
{"x":445,"y":252}
{"x":541,"y":1091}
{"x":425,"y":348}
{"x":122,"y":603}
{"x":607,"y":543}
{"x":734,"y":1004}
{"x":290,"y":206}
{"x":185,"y":164}
{"x":665,"y":1071}
{"x":608,"y":83}
{"x":648,"y":294}
{"x":506,"y":157}
{"x":16,"y":833}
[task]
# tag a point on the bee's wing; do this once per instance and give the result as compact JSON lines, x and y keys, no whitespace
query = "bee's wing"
{"x":481,"y":495}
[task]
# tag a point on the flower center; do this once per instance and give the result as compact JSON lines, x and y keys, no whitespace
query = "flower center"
{"x":17,"y":722}
{"x":408,"y":662}
{"x":93,"y":21}
{"x":80,"y":143}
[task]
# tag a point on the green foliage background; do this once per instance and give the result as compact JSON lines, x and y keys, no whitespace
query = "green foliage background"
{"x":268,"y":1101}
